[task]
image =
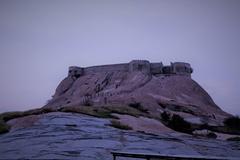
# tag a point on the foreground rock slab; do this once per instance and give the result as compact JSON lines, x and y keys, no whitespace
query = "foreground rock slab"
{"x":76,"y":136}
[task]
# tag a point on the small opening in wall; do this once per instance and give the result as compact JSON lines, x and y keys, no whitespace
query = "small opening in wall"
{"x":140,"y":67}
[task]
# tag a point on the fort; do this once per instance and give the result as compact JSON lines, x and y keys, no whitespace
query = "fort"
{"x":153,"y":85}
{"x":144,"y":66}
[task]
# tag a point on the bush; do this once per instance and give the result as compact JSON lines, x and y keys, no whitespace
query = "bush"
{"x":10,"y":115}
{"x":179,"y":124}
{"x":165,"y":116}
{"x":4,"y":128}
{"x":211,"y":135}
{"x":87,"y":102}
{"x":103,"y":111}
{"x":204,"y":126}
{"x":138,"y":106}
{"x":124,"y":109}
{"x":162,"y":105}
{"x":92,"y":111}
{"x":234,"y":139}
{"x":232,"y":122}
{"x":119,"y":125}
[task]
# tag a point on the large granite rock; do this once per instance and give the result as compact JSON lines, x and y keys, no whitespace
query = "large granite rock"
{"x":155,"y":86}
{"x":75,"y":136}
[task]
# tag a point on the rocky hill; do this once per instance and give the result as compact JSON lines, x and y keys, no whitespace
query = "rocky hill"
{"x":152,"y":86}
{"x":138,"y":107}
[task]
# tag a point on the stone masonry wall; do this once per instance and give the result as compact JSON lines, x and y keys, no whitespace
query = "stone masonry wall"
{"x":107,"y":68}
{"x":179,"y":68}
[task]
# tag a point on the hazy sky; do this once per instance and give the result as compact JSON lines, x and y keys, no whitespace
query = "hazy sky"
{"x":39,"y":39}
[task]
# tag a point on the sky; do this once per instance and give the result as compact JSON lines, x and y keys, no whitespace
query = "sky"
{"x":40,"y":39}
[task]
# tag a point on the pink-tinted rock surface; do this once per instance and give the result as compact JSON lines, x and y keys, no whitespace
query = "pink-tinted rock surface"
{"x":156,"y":87}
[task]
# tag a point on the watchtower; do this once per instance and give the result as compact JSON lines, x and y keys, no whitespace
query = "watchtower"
{"x":181,"y":68}
{"x":139,"y":65}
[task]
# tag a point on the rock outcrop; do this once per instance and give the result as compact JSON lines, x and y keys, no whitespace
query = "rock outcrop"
{"x":75,"y":136}
{"x":156,"y":87}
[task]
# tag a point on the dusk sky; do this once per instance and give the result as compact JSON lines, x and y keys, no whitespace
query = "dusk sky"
{"x":39,"y":39}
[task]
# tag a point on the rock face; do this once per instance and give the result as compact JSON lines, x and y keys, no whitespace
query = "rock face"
{"x":156,"y":87}
{"x":75,"y":136}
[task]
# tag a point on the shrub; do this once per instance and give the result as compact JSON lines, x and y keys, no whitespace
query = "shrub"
{"x":92,"y":111}
{"x":103,"y":111}
{"x":3,"y":127}
{"x":4,"y":117}
{"x":138,"y":106}
{"x":234,"y":139}
{"x":232,"y":122}
{"x":45,"y":110}
{"x":165,"y":116}
{"x":162,"y":105}
{"x":211,"y":135}
{"x":33,"y":112}
{"x":124,"y":109}
{"x":119,"y":125}
{"x":204,"y":126}
{"x":10,"y":115}
{"x":179,"y":124}
{"x":87,"y":102}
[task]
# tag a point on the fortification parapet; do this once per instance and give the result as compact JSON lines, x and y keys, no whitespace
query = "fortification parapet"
{"x":167,"y":69}
{"x":75,"y":71}
{"x":107,"y":68}
{"x":144,"y":66}
{"x":139,"y":65}
{"x":156,"y":68}
{"x":181,"y":68}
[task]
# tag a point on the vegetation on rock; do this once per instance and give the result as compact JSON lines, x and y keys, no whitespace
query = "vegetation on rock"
{"x":165,"y":116}
{"x":232,"y":123}
{"x":211,"y":135}
{"x":97,"y":111}
{"x":234,"y":139}
{"x":3,"y":127}
{"x":103,"y":111}
{"x":138,"y":106}
{"x":179,"y":124}
{"x":176,"y":123}
{"x":4,"y":117}
{"x":92,"y":111}
{"x":119,"y":125}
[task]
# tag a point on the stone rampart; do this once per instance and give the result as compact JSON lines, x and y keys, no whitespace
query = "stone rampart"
{"x":179,"y":68}
{"x":107,"y":68}
{"x":139,"y":65}
{"x":156,"y":68}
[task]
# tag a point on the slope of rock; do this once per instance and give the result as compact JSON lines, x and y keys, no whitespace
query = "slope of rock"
{"x":75,"y":136}
{"x":156,"y":87}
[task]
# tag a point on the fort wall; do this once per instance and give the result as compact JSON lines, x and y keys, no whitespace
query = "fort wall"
{"x":179,"y":68}
{"x":107,"y":68}
{"x":139,"y":65}
{"x":156,"y":68}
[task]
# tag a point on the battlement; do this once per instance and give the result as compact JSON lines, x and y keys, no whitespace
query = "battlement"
{"x":139,"y":65}
{"x":144,"y":66}
{"x":75,"y":71}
